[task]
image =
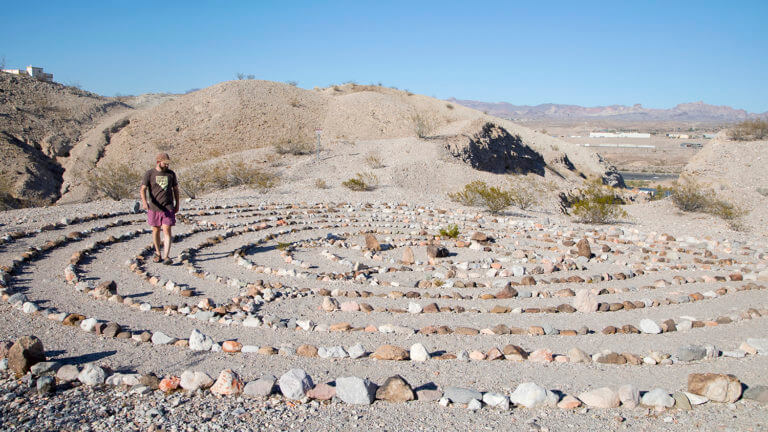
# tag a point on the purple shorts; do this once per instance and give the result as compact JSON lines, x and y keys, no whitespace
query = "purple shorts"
{"x":158,"y":218}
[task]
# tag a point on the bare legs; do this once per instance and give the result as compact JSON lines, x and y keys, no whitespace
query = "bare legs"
{"x":166,"y":241}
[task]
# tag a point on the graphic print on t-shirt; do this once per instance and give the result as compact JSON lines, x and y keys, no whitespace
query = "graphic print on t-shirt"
{"x":162,"y":181}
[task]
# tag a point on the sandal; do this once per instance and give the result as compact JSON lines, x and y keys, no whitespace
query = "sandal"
{"x":168,"y":261}
{"x":156,"y":258}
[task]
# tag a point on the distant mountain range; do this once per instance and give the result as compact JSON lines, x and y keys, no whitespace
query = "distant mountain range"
{"x":685,"y":112}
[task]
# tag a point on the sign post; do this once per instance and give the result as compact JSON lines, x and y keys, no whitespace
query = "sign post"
{"x":317,"y":147}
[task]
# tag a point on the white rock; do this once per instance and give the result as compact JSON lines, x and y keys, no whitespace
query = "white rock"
{"x":649,"y":326}
{"x":29,"y":308}
{"x":88,"y":324}
{"x":252,"y":321}
{"x":295,"y":383}
{"x":529,"y":395}
{"x":160,"y":338}
{"x":414,"y":308}
{"x":199,"y":342}
{"x":191,"y":380}
{"x":658,"y":398}
{"x":356,"y":391}
{"x":629,"y":395}
{"x":249,"y":349}
{"x":696,"y":399}
{"x":474,"y":405}
{"x":496,"y":400}
{"x":419,"y":353}
{"x":356,"y":351}
{"x":92,"y":375}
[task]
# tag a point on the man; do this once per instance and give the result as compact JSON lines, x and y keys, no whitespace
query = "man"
{"x":162,"y":206}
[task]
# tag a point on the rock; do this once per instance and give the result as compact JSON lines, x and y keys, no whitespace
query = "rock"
{"x":681,"y":401}
{"x":461,"y":395}
{"x":261,"y":387}
{"x":629,"y":395}
{"x":199,"y":342}
{"x":29,"y":308}
{"x":569,"y":402}
{"x":356,"y":351}
{"x":602,"y":397}
{"x":649,"y":326}
{"x":169,"y":383}
{"x":584,"y":301}
{"x":757,"y":393}
{"x":496,"y":400}
{"x":691,"y":353}
{"x":231,"y":346}
{"x":46,"y":384}
{"x":5,"y":346}
{"x":192,"y":381}
{"x":541,"y":355}
{"x":576,"y":355}
{"x":355,"y":391}
{"x":67,"y":373}
{"x":322,"y":391}
{"x":160,"y":338}
{"x":418,"y":353}
{"x":332,"y":352}
{"x":583,"y":248}
{"x":395,"y":389}
{"x":25,"y":352}
{"x":529,"y":395}
{"x":474,"y":405}
{"x":695,"y":399}
{"x":44,"y":368}
{"x":92,"y":375}
{"x":610,"y":358}
{"x":437,"y":252}
{"x":716,"y":387}
{"x":414,"y":308}
{"x":408,"y":258}
{"x":371,"y":243}
{"x":111,"y":329}
{"x":330,"y":304}
{"x":306,"y":351}
{"x":658,"y":398}
{"x":390,"y":352}
{"x":295,"y":383}
{"x":228,"y":383}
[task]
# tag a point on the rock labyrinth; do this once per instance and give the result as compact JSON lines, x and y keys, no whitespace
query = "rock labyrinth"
{"x":372,"y":291}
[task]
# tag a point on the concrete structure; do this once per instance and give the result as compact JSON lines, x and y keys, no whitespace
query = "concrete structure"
{"x":619,"y":135}
{"x":34,"y":72}
{"x":678,"y":136}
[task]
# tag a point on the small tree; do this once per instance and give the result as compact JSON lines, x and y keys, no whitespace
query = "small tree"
{"x":423,"y":125}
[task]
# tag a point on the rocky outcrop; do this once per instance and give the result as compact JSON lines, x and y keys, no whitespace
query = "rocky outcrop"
{"x":488,"y":147}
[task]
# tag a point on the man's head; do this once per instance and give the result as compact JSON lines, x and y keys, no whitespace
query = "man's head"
{"x":163,"y":160}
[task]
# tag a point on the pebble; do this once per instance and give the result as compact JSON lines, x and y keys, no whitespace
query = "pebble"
{"x":295,"y":383}
{"x":92,"y":375}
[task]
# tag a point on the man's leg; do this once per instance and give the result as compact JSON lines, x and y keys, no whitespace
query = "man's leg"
{"x":167,"y":236}
{"x":156,"y":239}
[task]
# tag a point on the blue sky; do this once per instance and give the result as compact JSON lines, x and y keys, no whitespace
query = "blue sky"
{"x":657,"y":53}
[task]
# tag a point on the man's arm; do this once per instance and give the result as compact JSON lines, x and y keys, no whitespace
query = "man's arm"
{"x":143,"y":193}
{"x":176,"y":199}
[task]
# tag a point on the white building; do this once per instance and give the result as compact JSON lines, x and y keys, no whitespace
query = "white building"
{"x":34,"y":72}
{"x":619,"y":135}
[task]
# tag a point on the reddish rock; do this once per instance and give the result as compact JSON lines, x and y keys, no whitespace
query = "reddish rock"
{"x":716,"y":387}
{"x":395,"y":389}
{"x":306,"y":351}
{"x":169,"y":383}
{"x":25,"y":353}
{"x":228,"y":383}
{"x":231,"y":346}
{"x":390,"y":352}
{"x":323,"y":391}
{"x":541,"y":356}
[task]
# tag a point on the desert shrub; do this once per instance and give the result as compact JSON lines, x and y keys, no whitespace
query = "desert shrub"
{"x":597,"y":204}
{"x":321,"y":184}
{"x":749,"y":130}
{"x":660,"y":193}
{"x":7,"y":200}
{"x":224,"y":175}
{"x":524,"y":191}
{"x":423,"y":125}
{"x":690,"y":196}
{"x":362,"y":182}
{"x":495,"y":199}
{"x":452,"y":231}
{"x":294,"y":146}
{"x":470,"y":195}
{"x":449,"y":106}
{"x":374,"y":161}
{"x":115,"y":180}
{"x":295,"y":103}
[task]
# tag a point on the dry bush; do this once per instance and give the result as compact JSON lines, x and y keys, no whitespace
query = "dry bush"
{"x":689,"y":196}
{"x":524,"y":191}
{"x":7,"y":200}
{"x":321,"y":184}
{"x":115,"y":180}
{"x":451,"y":232}
{"x":362,"y":182}
{"x":294,"y":146}
{"x":423,"y":125}
{"x":597,"y":204}
{"x":224,"y":175}
{"x":470,"y":195}
{"x":374,"y":160}
{"x":749,"y":130}
{"x":449,"y":106}
{"x":493,"y":198}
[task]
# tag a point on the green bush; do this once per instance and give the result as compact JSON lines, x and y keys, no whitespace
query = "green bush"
{"x":521,"y":194}
{"x":597,"y":204}
{"x":451,"y":232}
{"x":115,"y":180}
{"x":470,"y":195}
{"x":749,"y":130}
{"x":362,"y":182}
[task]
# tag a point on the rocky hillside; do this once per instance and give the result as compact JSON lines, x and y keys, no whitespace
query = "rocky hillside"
{"x":40,"y":123}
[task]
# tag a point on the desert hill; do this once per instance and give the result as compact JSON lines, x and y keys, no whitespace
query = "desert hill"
{"x":40,"y":122}
{"x":252,"y":116}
